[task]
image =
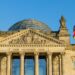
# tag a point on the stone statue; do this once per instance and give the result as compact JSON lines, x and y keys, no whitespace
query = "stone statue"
{"x":62,"y":22}
{"x":56,"y":65}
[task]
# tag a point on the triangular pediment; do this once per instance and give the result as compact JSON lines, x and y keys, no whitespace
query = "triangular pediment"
{"x":30,"y":36}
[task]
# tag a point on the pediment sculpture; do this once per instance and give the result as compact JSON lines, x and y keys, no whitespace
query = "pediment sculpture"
{"x":27,"y":39}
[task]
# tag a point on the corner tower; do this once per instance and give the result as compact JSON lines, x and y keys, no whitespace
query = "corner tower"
{"x":63,"y":31}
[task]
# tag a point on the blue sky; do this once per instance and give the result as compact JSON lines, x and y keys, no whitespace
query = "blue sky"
{"x":47,"y":11}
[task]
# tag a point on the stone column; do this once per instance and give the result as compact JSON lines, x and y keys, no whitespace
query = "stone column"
{"x":61,"y":66}
{"x":22,"y":63}
{"x":49,"y":63}
{"x":36,"y":64}
{"x":0,"y":65}
{"x":9,"y":63}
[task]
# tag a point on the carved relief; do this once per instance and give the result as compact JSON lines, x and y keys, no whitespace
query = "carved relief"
{"x":28,"y":39}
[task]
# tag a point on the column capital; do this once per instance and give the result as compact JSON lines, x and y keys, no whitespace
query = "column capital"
{"x":22,"y":53}
{"x":36,"y":53}
{"x":9,"y":53}
{"x":62,"y":53}
{"x":49,"y":53}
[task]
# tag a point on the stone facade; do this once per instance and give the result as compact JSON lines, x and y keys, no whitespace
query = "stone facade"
{"x":56,"y":46}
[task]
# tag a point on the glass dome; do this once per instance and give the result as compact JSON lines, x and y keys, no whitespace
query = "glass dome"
{"x":30,"y":23}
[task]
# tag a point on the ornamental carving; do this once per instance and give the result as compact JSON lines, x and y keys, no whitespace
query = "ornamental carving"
{"x":28,"y":39}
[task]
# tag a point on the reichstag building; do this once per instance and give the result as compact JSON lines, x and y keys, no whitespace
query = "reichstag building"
{"x":30,"y":47}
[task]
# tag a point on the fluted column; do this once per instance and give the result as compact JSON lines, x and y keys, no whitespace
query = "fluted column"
{"x":49,"y":63}
{"x":36,"y":64}
{"x":9,"y":63}
{"x":22,"y":63}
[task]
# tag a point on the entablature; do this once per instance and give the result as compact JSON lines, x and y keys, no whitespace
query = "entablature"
{"x":32,"y":49}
